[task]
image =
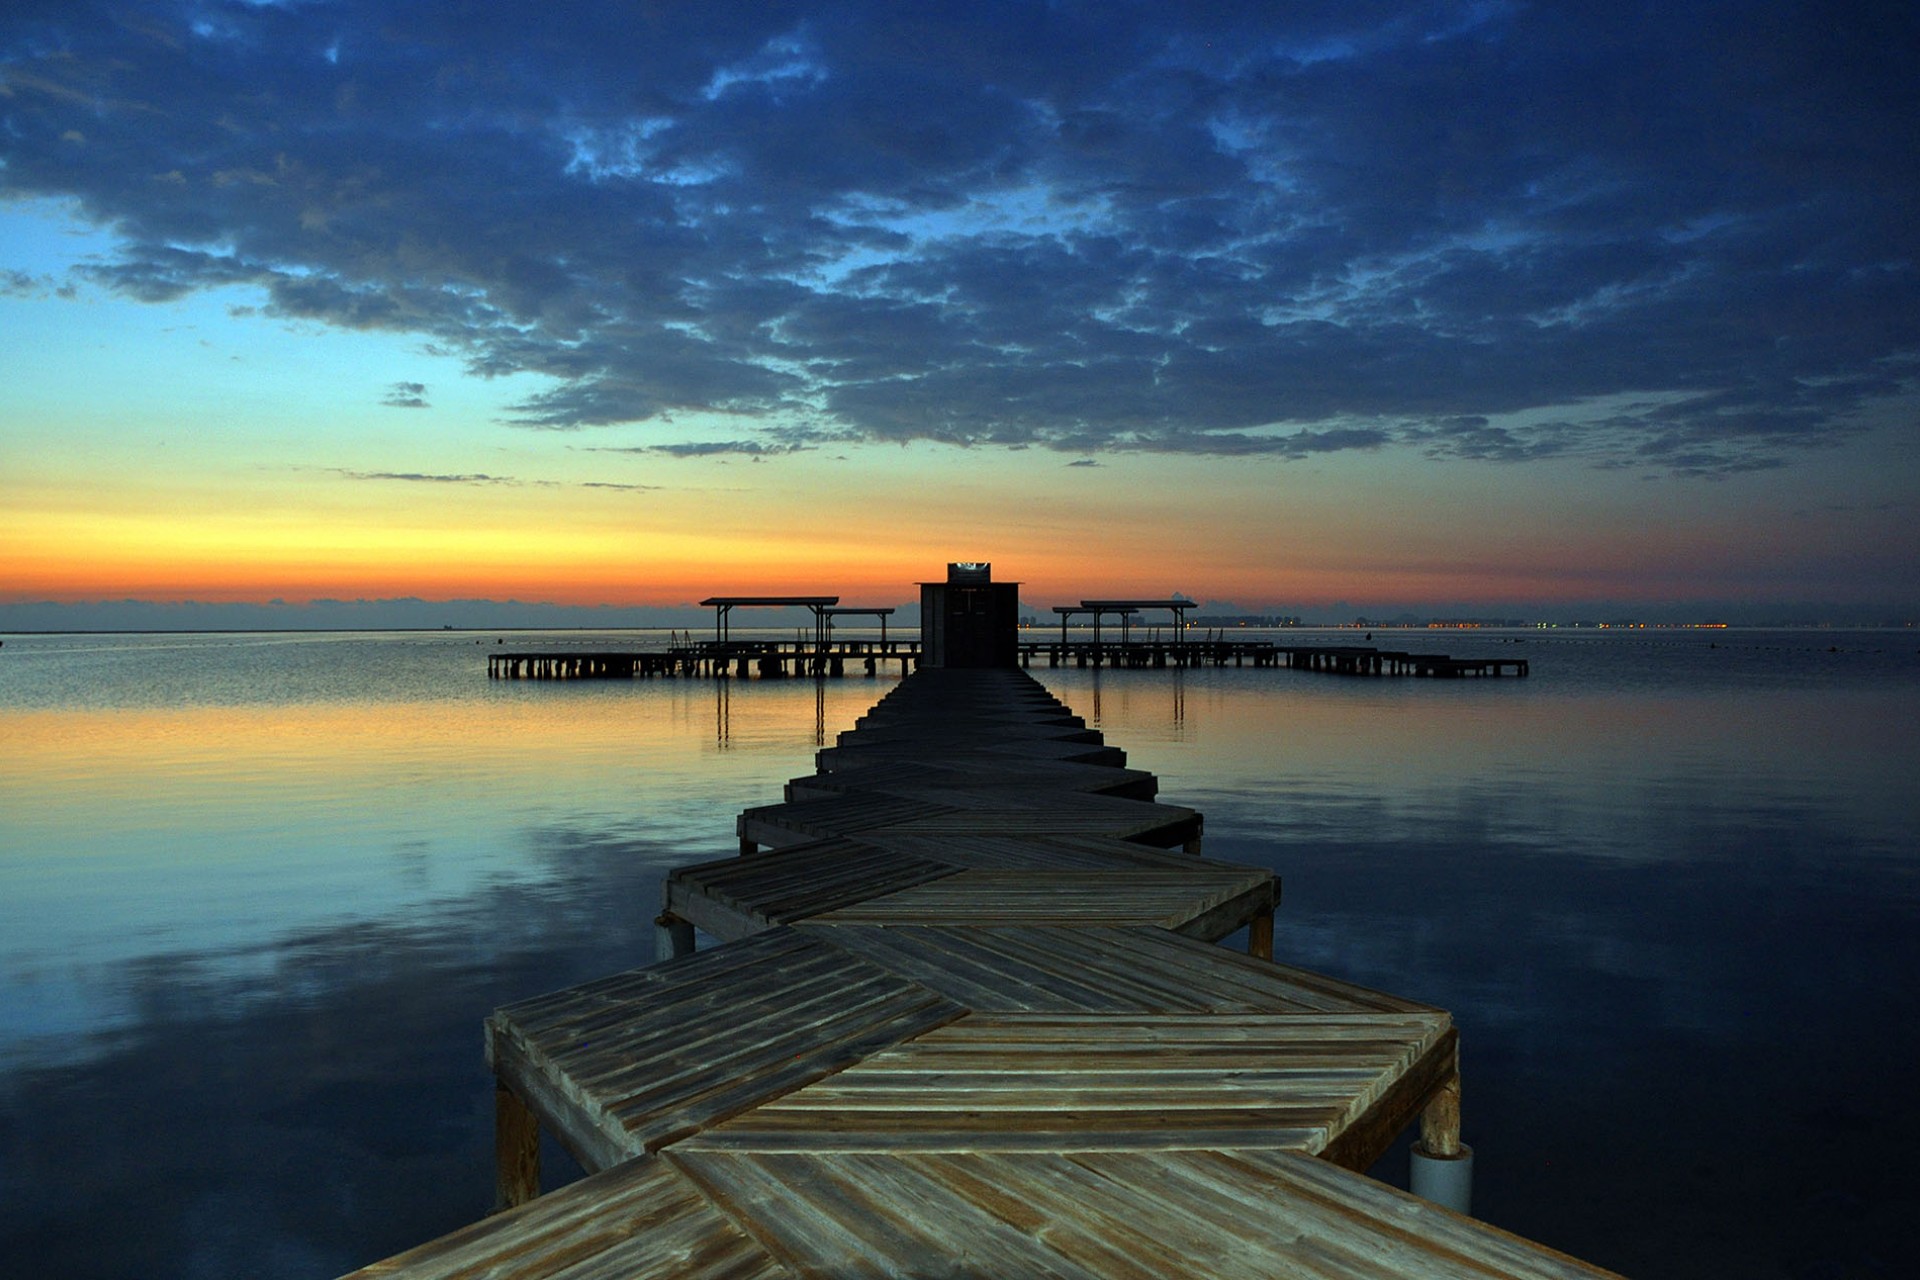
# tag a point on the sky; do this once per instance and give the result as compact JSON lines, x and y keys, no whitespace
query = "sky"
{"x":311,"y":305}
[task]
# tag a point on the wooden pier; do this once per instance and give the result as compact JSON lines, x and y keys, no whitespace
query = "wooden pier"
{"x":739,"y":658}
{"x":967,"y":1017}
{"x":1346,"y":660}
{"x":771,"y":659}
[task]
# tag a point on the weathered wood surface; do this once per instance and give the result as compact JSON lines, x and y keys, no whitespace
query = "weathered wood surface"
{"x":1055,"y":852}
{"x":624,"y":1065}
{"x":1011,"y":811}
{"x":643,"y":1218}
{"x":890,"y":877}
{"x":734,"y":897}
{"x":1094,"y":969}
{"x":716,"y":1213}
{"x":965,"y":1023}
{"x":1236,"y":1215}
{"x":974,"y":772}
{"x":936,"y":757}
{"x":1087,"y":1083}
{"x":1169,"y":898}
{"x":1013,"y":751}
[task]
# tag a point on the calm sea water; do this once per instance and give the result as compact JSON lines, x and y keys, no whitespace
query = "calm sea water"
{"x":258,"y":891}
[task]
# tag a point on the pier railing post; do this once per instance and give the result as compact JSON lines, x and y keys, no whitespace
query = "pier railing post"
{"x":673,"y":937}
{"x":1442,"y":1164}
{"x":516,"y":1149}
{"x":1260,"y":935}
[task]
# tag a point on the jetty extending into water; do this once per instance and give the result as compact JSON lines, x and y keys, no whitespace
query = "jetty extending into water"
{"x":716,"y":659}
{"x":965,"y":1014}
{"x":774,"y":659}
{"x":970,"y":604}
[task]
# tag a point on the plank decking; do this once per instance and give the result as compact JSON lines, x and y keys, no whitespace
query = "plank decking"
{"x":967,"y":1018}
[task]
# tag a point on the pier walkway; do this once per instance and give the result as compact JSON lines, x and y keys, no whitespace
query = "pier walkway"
{"x":1345,"y":660}
{"x":740,"y":658}
{"x":769,"y":659}
{"x":966,"y":1016}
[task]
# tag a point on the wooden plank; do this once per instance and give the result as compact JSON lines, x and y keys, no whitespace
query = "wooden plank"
{"x":557,"y":1105}
{"x":967,"y":966}
{"x":987,"y":1050}
{"x":1055,"y":851}
{"x":1383,"y":1230}
{"x":516,"y":1147}
{"x":1298,"y":990}
{"x":1209,"y":904}
{"x":746,"y":1079}
{"x":734,"y":897}
{"x":830,"y":758}
{"x":1424,"y":1080}
{"x":543,"y":1013}
{"x":951,"y":733}
{"x":1050,"y":1083}
{"x":972,"y":772}
{"x":612,"y":1078}
{"x":785,"y":824}
{"x":642,"y":1218}
{"x":844,"y":1218}
{"x":1226,"y":1215}
{"x":1023,"y":810}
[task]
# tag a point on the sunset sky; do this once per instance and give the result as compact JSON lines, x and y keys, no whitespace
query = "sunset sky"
{"x":1533,"y":308}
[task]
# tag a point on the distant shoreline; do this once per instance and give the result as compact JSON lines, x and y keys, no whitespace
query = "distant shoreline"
{"x":1419,"y":628}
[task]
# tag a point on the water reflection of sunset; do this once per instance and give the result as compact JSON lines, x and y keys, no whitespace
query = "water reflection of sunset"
{"x":157,"y":830}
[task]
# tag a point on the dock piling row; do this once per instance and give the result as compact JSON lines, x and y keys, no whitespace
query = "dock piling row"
{"x":779,"y":660}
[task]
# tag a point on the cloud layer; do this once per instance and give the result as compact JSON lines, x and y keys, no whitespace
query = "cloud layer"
{"x":1679,"y":239}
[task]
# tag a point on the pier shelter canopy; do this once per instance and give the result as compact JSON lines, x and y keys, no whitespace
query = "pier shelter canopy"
{"x":723,"y":606}
{"x":1125,"y":609}
{"x":882,"y":614}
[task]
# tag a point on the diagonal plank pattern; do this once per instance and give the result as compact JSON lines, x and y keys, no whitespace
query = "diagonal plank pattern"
{"x":1092,"y":1082}
{"x":1097,"y":1215}
{"x":967,"y":1019}
{"x":619,"y":1067}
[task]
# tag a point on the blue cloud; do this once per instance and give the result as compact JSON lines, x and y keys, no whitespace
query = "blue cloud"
{"x":1228,"y":230}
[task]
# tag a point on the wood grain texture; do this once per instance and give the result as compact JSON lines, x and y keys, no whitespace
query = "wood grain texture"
{"x":622,"y":1071}
{"x":957,"y":1027}
{"x":640,"y":1219}
{"x":1225,"y":1215}
{"x":1102,"y":1082}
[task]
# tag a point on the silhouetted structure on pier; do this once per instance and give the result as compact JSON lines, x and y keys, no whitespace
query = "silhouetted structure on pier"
{"x":970,"y":620}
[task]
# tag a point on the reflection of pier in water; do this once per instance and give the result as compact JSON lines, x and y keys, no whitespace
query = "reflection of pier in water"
{"x":723,"y":714}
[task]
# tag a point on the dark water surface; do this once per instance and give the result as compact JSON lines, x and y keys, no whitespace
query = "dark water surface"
{"x":258,"y":892}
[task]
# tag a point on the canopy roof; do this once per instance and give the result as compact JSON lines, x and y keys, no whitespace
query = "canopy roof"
{"x":810,"y":602}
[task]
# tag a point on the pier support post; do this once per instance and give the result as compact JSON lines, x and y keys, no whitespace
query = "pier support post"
{"x":516,"y":1149}
{"x":1442,"y":1164}
{"x":672,"y":938}
{"x":1260,"y":935}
